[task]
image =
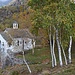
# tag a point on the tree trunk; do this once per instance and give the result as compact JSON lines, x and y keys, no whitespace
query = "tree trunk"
{"x":59,"y":48}
{"x":52,"y":43}
{"x":69,"y":50}
{"x":33,"y":46}
{"x":63,"y":50}
{"x":53,"y":50}
{"x":64,"y":55}
{"x":26,"y":63}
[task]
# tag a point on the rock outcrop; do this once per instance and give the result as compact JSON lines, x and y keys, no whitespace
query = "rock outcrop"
{"x":9,"y":59}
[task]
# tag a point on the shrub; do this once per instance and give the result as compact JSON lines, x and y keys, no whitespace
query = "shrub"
{"x":15,"y":73}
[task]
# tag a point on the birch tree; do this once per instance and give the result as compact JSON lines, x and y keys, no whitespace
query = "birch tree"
{"x":52,"y":48}
{"x":66,"y":17}
{"x":69,"y":50}
{"x":58,"y":14}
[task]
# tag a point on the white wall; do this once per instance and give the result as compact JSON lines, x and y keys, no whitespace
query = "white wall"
{"x":6,"y":46}
{"x":15,"y":46}
{"x":28,"y":44}
{"x":25,"y":44}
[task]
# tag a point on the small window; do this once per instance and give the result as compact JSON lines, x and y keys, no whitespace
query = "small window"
{"x":18,"y":42}
{"x":16,"y":25}
{"x":25,"y":42}
{"x":9,"y":45}
{"x":2,"y":43}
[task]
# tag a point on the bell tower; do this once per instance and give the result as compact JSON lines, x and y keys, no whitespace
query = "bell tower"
{"x":15,"y":25}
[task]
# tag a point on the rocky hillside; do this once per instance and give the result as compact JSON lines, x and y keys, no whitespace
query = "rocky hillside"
{"x":13,"y":7}
{"x":17,"y":2}
{"x":4,"y":2}
{"x":12,"y":2}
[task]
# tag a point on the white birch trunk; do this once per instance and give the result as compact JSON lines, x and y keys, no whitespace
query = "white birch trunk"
{"x":52,"y":44}
{"x":53,"y":50}
{"x":64,"y":55}
{"x":33,"y":46}
{"x":51,"y":47}
{"x":69,"y":50}
{"x":59,"y":48}
{"x":63,"y":50}
{"x":26,"y":63}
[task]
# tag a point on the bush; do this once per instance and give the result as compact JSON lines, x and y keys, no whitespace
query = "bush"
{"x":15,"y":73}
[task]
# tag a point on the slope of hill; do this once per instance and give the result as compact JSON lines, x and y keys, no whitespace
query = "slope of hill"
{"x":5,"y":2}
{"x":18,"y":2}
{"x":40,"y":64}
{"x":11,"y":8}
{"x":13,"y":2}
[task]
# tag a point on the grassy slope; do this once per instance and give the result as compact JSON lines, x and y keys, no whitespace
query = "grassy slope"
{"x":40,"y":64}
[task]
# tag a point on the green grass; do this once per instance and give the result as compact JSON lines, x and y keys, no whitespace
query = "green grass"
{"x":14,"y":73}
{"x":39,"y":56}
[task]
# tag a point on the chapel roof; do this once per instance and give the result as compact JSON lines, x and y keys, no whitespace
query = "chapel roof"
{"x":6,"y":37}
{"x":19,"y":33}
